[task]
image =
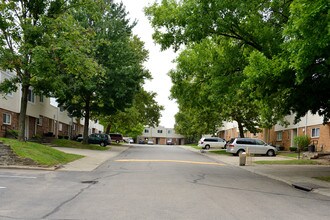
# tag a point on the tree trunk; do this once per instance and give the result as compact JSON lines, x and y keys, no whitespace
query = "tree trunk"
{"x":241,"y":129}
{"x":86,"y":124}
{"x":108,"y":128}
{"x":22,"y":114}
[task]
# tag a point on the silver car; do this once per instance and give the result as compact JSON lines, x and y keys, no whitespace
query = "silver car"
{"x":208,"y":142}
{"x":237,"y":146}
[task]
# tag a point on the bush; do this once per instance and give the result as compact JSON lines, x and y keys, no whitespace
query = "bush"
{"x":11,"y":133}
{"x":302,"y":142}
{"x":293,"y":149}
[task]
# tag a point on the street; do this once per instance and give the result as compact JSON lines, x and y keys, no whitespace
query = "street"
{"x":154,"y":182}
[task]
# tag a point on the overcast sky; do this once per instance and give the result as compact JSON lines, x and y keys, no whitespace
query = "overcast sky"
{"x":159,"y":63}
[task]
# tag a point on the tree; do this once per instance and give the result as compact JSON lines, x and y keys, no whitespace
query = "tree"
{"x":118,"y":52}
{"x":23,"y":32}
{"x":131,"y":121}
{"x":209,"y":80}
{"x":289,"y":42}
{"x":240,"y":30}
{"x":307,"y":45}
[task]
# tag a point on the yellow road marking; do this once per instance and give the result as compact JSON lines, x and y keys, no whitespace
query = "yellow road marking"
{"x":171,"y":161}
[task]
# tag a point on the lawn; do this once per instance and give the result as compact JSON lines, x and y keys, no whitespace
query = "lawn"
{"x":42,"y":154}
{"x":76,"y":144}
{"x":324,"y":178}
{"x":289,"y":162}
{"x":289,"y":154}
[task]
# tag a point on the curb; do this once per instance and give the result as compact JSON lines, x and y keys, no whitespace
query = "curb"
{"x":30,"y":167}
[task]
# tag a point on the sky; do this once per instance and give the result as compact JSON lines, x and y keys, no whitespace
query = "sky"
{"x":159,"y":63}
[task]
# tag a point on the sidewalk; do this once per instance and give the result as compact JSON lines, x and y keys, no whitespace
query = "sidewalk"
{"x":298,"y":176}
{"x":92,"y":158}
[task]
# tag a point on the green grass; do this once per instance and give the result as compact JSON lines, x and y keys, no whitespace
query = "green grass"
{"x":43,"y":155}
{"x":289,"y":154}
{"x":221,"y":152}
{"x":324,"y":178}
{"x":289,"y":162}
{"x":76,"y":144}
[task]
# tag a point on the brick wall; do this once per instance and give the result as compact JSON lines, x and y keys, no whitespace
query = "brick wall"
{"x":13,"y":125}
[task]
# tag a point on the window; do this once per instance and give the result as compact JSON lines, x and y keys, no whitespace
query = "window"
{"x":39,"y":121}
{"x":30,"y":96}
{"x":146,"y":130}
{"x":159,"y":131}
{"x":6,"y":119}
{"x":279,"y":136}
{"x":169,"y":131}
{"x":315,"y":132}
{"x":41,"y":98}
{"x":60,"y":126}
{"x":74,"y":127}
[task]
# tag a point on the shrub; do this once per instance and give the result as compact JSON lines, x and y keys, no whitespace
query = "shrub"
{"x":293,"y":149}
{"x":12,"y":133}
{"x":302,"y":142}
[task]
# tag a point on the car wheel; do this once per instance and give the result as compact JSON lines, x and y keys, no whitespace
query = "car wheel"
{"x":240,"y":152}
{"x":117,"y":141}
{"x":207,"y":147}
{"x":102,"y":144}
{"x":270,"y":153}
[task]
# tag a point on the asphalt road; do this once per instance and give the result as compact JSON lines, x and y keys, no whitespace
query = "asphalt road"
{"x":154,"y":182}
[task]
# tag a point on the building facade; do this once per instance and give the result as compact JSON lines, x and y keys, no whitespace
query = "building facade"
{"x":283,"y":135}
{"x":43,"y":118}
{"x":161,"y":135}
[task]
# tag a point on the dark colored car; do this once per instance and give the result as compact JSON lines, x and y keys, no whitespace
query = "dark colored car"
{"x":116,"y":137}
{"x":101,"y":139}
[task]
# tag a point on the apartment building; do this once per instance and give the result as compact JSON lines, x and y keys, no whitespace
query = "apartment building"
{"x":43,"y":118}
{"x":162,"y":135}
{"x":283,"y":136}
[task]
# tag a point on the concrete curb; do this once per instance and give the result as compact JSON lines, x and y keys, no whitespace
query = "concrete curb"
{"x":303,"y":183}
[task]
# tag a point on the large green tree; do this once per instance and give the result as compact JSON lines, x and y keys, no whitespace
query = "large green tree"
{"x":24,"y":31}
{"x":289,"y":39}
{"x":209,"y":79}
{"x":121,"y":56}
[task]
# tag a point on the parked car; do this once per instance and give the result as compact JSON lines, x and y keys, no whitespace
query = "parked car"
{"x":101,"y":139}
{"x":150,"y":142}
{"x":237,"y":146}
{"x":214,"y":142}
{"x":141,"y":141}
{"x":115,"y":137}
{"x":169,"y":142}
{"x":128,"y":140}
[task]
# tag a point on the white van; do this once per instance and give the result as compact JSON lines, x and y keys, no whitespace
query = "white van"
{"x":237,"y":146}
{"x":214,"y":142}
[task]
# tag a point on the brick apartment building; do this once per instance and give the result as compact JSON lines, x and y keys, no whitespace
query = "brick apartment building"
{"x":43,"y":118}
{"x":283,"y":136}
{"x":162,"y":135}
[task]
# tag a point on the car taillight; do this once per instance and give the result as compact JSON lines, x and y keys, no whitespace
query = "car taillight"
{"x":231,"y":145}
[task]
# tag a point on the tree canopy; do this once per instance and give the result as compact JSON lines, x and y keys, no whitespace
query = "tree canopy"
{"x":269,"y":54}
{"x":82,"y":52}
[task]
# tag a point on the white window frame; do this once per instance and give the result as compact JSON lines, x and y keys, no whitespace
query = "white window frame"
{"x":6,"y":118}
{"x":159,"y":131}
{"x":60,"y":126}
{"x":41,"y":98}
{"x":279,"y":136}
{"x":39,"y":121}
{"x":146,"y":131}
{"x":31,"y":97}
{"x":315,"y":132}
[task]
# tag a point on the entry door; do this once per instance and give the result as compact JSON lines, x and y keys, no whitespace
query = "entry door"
{"x":294,"y":133}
